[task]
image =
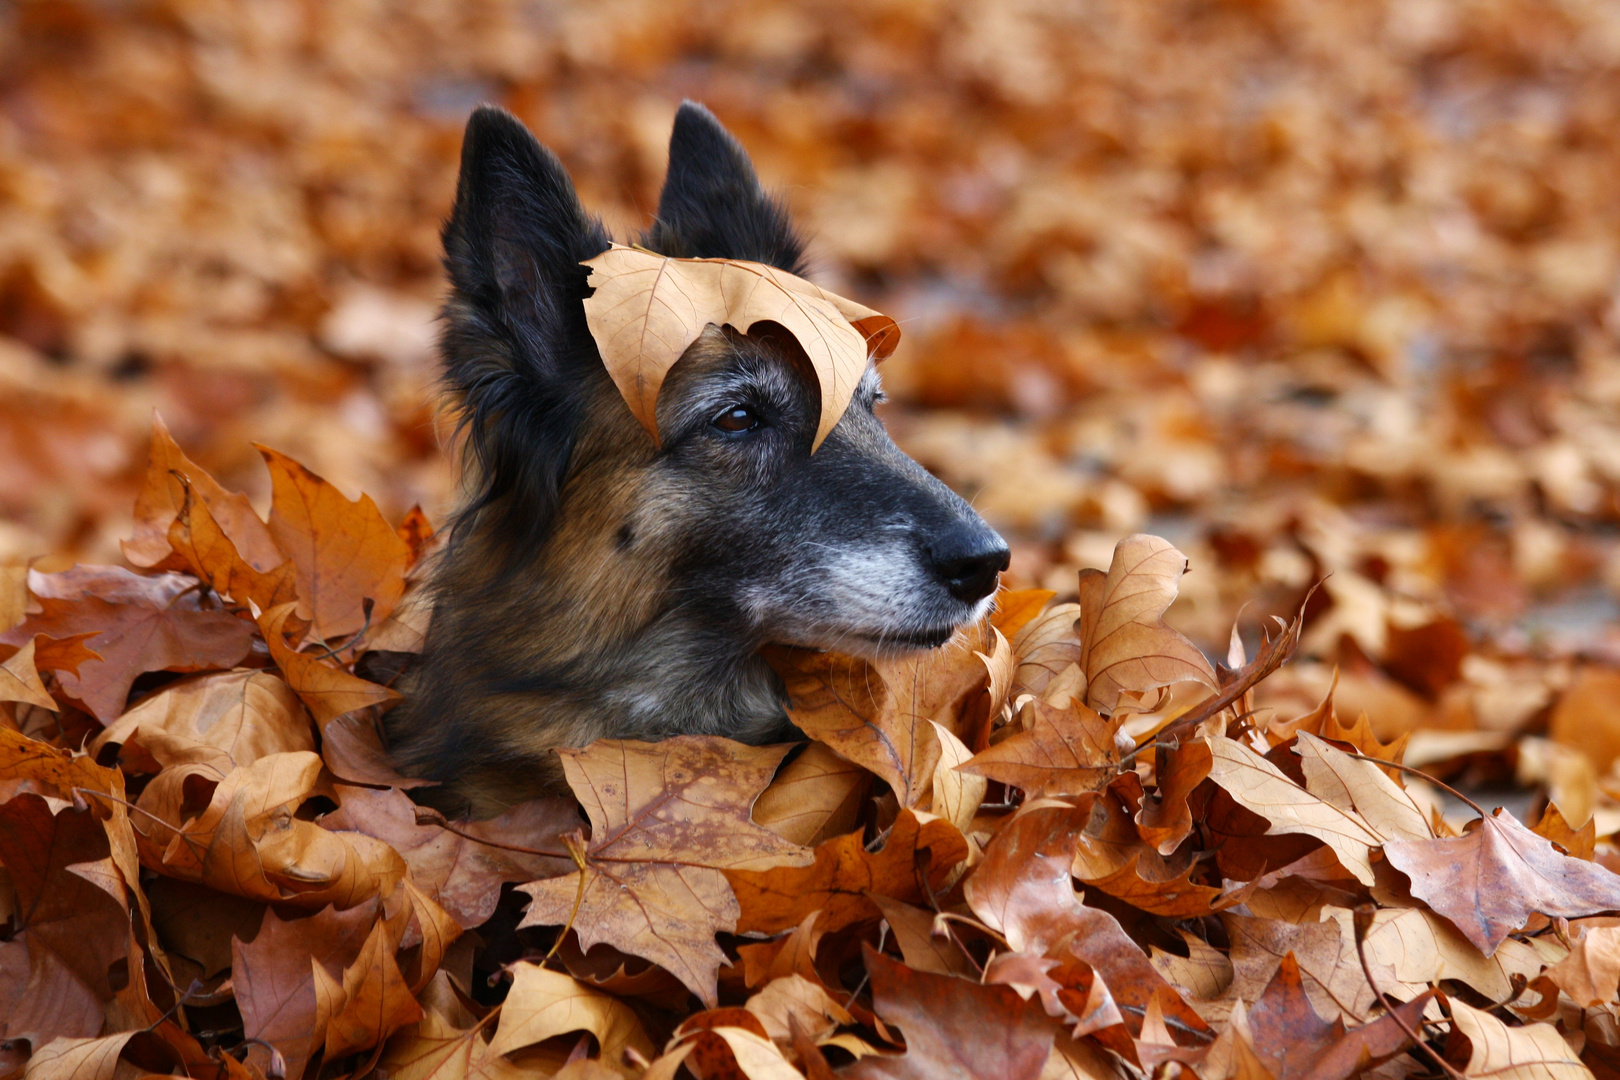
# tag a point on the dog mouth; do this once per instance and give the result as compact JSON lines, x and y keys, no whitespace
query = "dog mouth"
{"x":901,"y":640}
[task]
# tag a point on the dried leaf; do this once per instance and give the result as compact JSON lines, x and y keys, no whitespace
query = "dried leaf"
{"x":345,"y":553}
{"x":1060,"y":751}
{"x":544,"y":1003}
{"x":1531,"y":1052}
{"x":223,"y":720}
{"x":666,"y":819}
{"x":1489,"y":881}
{"x":139,"y":624}
{"x":328,"y":690}
{"x":1124,"y":639}
{"x":647,"y":309}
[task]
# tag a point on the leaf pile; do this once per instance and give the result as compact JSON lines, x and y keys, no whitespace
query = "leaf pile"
{"x":1062,"y":845}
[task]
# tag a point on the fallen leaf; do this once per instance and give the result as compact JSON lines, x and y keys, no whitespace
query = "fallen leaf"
{"x":205,"y":550}
{"x":1165,"y":821}
{"x":223,"y":720}
{"x":376,"y":1002}
{"x":647,"y":309}
{"x":666,"y":819}
{"x":914,"y":931}
{"x":19,"y":679}
{"x":139,"y":624}
{"x":344,"y":552}
{"x":543,"y":1003}
{"x":169,"y":473}
{"x":814,"y":797}
{"x":1123,"y":636}
{"x":1045,"y":646}
{"x":1059,"y":751}
{"x":1489,"y":881}
{"x":1531,"y":1052}
{"x":1294,"y":1043}
{"x":794,"y":999}
{"x":327,"y":689}
{"x":845,"y":873}
{"x":1590,"y":974}
{"x":954,"y":1027}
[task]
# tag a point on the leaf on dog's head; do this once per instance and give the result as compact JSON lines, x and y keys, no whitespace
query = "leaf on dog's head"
{"x":647,"y":309}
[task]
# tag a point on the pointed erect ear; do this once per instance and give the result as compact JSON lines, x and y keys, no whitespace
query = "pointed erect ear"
{"x":516,"y":347}
{"x":712,"y":206}
{"x":517,"y":235}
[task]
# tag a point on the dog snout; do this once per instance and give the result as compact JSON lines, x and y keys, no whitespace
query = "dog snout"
{"x":967,"y":562}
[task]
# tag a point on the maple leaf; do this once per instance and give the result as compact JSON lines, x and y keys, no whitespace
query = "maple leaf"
{"x":67,"y":930}
{"x":1124,"y":641}
{"x":666,"y":819}
{"x":373,"y":1000}
{"x":647,"y":309}
{"x":139,"y":624}
{"x":844,"y":873}
{"x":463,"y":873}
{"x":923,"y":944}
{"x":1338,"y":819}
{"x":344,"y":551}
{"x":207,"y":551}
{"x":283,"y":977}
{"x":171,"y":480}
{"x":876,"y":713}
{"x":328,"y":690}
{"x":954,"y":1027}
{"x":1488,"y":882}
{"x":1060,"y":751}
{"x":1294,"y":1043}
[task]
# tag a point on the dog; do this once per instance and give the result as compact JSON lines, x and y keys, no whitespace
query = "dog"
{"x":595,"y":584}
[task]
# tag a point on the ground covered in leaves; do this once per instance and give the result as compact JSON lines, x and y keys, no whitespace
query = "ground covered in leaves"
{"x":1316,"y":291}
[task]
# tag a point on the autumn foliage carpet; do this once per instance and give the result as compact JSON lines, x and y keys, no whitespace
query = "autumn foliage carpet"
{"x":1063,"y":845}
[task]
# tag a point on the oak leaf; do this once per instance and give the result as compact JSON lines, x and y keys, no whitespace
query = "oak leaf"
{"x":648,"y":309}
{"x":954,"y":1027}
{"x":139,"y":624}
{"x":1488,"y":882}
{"x":844,"y":873}
{"x":666,"y":819}
{"x":1125,"y":643}
{"x":344,"y":551}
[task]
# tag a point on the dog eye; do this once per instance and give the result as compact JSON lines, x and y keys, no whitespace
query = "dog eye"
{"x":737,"y":418}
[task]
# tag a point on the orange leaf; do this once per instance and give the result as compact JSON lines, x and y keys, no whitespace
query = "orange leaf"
{"x":327,"y":689}
{"x":344,"y":552}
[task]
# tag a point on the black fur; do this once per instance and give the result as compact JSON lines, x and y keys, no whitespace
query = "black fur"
{"x":516,"y":346}
{"x":712,"y":206}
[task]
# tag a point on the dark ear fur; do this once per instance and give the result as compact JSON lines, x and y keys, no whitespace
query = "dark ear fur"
{"x":515,"y":341}
{"x":712,"y":206}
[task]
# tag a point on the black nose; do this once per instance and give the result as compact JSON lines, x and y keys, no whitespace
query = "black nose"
{"x":968,"y":562}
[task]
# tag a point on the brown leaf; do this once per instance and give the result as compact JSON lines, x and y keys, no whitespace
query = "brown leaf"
{"x":461,"y":875}
{"x":223,"y":720}
{"x":794,"y":1000}
{"x":67,"y":930}
{"x":1166,"y":820}
{"x":793,"y":953}
{"x":875,"y":713}
{"x":248,"y":842}
{"x":417,"y":532}
{"x":1060,"y":751}
{"x":344,"y":552}
{"x":816,"y":795}
{"x":844,"y":873}
{"x":1531,"y":1052}
{"x":168,"y":474}
{"x":282,"y":976}
{"x":1590,"y":974}
{"x":1489,"y":881}
{"x":1110,"y":856}
{"x":647,"y":309}
{"x":1124,"y":639}
{"x":376,"y":1001}
{"x":923,"y":949}
{"x":327,"y":689}
{"x":954,"y":1027}
{"x":19,"y":679}
{"x":140,"y":624}
{"x":1045,"y":646}
{"x":205,"y":550}
{"x":1294,"y":1043}
{"x":666,"y":819}
{"x":1581,"y":843}
{"x":544,"y":1003}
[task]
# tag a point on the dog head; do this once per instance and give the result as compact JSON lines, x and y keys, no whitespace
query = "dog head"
{"x":730,"y":521}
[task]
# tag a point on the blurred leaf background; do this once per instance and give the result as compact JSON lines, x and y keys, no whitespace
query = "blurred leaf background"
{"x":1309,"y":288}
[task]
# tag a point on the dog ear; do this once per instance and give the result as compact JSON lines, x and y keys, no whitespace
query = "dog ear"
{"x":712,"y":205}
{"x":515,"y":339}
